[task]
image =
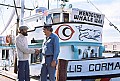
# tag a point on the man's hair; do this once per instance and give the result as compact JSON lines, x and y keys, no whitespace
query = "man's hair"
{"x":49,"y":29}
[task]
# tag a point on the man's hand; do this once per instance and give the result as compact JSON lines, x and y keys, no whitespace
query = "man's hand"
{"x":53,"y":63}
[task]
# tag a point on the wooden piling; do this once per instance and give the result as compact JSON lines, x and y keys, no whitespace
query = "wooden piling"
{"x":61,"y":74}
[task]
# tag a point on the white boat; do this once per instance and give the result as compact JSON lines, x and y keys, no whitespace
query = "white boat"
{"x":80,"y":34}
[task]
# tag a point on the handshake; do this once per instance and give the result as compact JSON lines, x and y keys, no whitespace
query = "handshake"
{"x":38,"y":51}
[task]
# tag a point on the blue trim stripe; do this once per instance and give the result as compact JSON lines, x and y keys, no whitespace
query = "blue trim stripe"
{"x":80,"y":43}
{"x":6,"y":47}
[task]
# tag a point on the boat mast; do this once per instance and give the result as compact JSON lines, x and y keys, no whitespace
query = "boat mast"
{"x":21,"y":23}
{"x":22,"y":12}
{"x":48,"y":4}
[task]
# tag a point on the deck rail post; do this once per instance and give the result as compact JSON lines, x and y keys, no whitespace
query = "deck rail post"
{"x":61,"y":74}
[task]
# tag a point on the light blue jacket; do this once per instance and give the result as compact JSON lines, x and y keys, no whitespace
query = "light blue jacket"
{"x":51,"y":46}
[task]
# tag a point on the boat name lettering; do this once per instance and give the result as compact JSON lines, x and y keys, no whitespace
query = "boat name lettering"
{"x":74,"y":68}
{"x":104,"y":66}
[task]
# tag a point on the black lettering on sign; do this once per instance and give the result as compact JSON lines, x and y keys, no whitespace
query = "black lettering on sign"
{"x":70,"y":69}
{"x":97,"y":67}
{"x":104,"y":66}
{"x":96,"y":20}
{"x":76,"y":17}
{"x":83,"y":18}
{"x":94,"y":67}
{"x":80,"y":12}
{"x":79,"y":68}
{"x":91,"y":67}
{"x":88,"y":17}
{"x":110,"y":66}
{"x":117,"y":66}
{"x":74,"y":68}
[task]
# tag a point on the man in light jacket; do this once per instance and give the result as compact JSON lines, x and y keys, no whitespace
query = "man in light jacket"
{"x":50,"y":51}
{"x":23,"y":54}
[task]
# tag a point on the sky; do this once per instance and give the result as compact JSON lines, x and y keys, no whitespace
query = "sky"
{"x":110,"y":8}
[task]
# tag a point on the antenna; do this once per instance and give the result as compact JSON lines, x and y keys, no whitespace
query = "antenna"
{"x":110,"y":23}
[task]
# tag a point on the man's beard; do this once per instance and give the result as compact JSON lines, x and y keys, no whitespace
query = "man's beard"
{"x":25,"y":34}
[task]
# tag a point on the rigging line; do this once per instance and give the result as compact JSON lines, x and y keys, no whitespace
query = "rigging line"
{"x":12,"y":25}
{"x":10,"y":19}
{"x":16,"y":9}
{"x":2,"y":18}
{"x":97,"y":9}
{"x":110,"y":23}
{"x":32,"y":3}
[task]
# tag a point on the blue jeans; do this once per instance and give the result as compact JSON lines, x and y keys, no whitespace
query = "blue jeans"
{"x":47,"y":69}
{"x":23,"y":71}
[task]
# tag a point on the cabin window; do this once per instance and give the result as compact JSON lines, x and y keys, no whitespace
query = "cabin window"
{"x":5,"y":54}
{"x":65,"y":17}
{"x":56,"y":17}
{"x":114,"y":47}
{"x":49,"y":19}
{"x":35,"y":58}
